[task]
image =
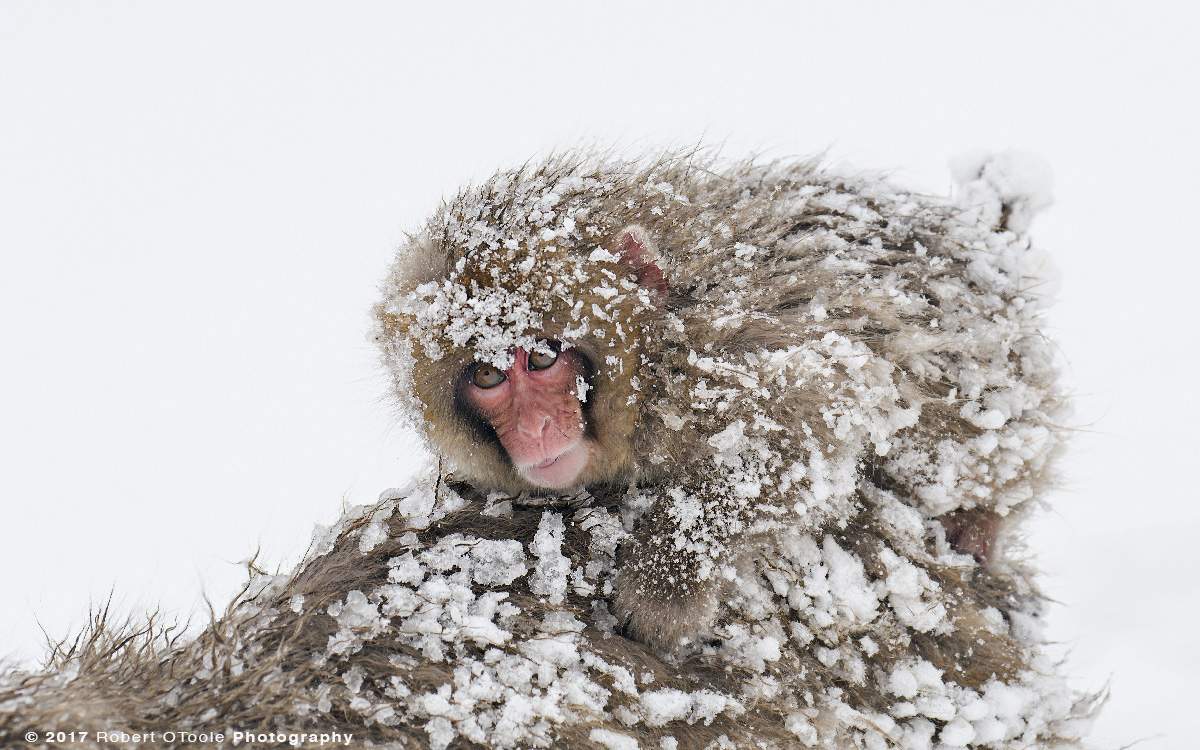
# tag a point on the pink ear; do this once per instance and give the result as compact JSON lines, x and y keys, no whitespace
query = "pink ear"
{"x":635,"y":248}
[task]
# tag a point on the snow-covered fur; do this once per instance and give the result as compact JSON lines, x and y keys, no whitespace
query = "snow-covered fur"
{"x":440,"y":620}
{"x":822,"y":338}
{"x":451,"y":616}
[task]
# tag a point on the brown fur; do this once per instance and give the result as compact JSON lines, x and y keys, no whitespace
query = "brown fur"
{"x":253,"y":669}
{"x":758,"y":260}
{"x":873,"y":618}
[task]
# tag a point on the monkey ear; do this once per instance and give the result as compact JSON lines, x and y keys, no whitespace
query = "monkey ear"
{"x":635,"y":249}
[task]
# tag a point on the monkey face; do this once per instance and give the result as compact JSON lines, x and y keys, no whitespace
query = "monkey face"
{"x":534,"y":408}
{"x":523,"y":356}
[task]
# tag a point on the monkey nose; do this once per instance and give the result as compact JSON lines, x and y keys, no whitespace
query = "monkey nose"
{"x":535,"y":426}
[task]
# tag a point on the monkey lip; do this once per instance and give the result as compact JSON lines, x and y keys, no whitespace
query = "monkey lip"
{"x":558,"y":472}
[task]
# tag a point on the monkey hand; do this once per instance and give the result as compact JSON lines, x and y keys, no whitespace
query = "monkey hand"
{"x":664,"y":596}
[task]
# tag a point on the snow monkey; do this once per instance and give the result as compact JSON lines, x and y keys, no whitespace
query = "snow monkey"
{"x":729,"y":351}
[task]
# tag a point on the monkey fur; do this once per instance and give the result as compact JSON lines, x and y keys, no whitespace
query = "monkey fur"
{"x":826,"y":405}
{"x":439,"y":619}
{"x":802,"y":337}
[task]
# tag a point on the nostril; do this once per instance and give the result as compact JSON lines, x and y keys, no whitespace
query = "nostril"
{"x":535,"y":426}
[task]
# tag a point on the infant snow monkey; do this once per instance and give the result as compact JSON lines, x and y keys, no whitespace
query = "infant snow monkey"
{"x":732,"y":350}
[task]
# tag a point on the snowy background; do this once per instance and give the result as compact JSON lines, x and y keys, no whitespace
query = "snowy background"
{"x":197,"y":202}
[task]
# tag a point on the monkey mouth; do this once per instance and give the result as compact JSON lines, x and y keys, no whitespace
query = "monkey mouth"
{"x":558,"y":472}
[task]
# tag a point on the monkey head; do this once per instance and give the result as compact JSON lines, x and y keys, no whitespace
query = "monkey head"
{"x":520,"y":343}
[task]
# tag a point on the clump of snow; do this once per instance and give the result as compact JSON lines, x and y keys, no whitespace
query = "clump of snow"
{"x":613,"y":740}
{"x":373,"y":534}
{"x":1019,"y":180}
{"x":550,"y":576}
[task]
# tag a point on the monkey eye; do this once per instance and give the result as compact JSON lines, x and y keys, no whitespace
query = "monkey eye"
{"x":487,"y":376}
{"x":542,"y":360}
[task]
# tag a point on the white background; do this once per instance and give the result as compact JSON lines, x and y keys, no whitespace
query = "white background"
{"x":198,"y":200}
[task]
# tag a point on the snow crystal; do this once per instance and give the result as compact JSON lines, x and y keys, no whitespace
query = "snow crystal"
{"x":405,"y":569}
{"x":354,"y":679}
{"x":497,"y":562}
{"x":848,"y":581}
{"x":613,"y":740}
{"x":418,"y":505}
{"x":662,"y":706}
{"x":799,"y":725}
{"x":441,"y":733}
{"x":374,"y":533}
{"x":708,"y":704}
{"x":912,"y":594}
{"x":1020,"y":180}
{"x":903,"y":683}
{"x":550,"y":574}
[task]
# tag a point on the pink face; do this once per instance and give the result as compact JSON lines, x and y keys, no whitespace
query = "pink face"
{"x":534,"y":409}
